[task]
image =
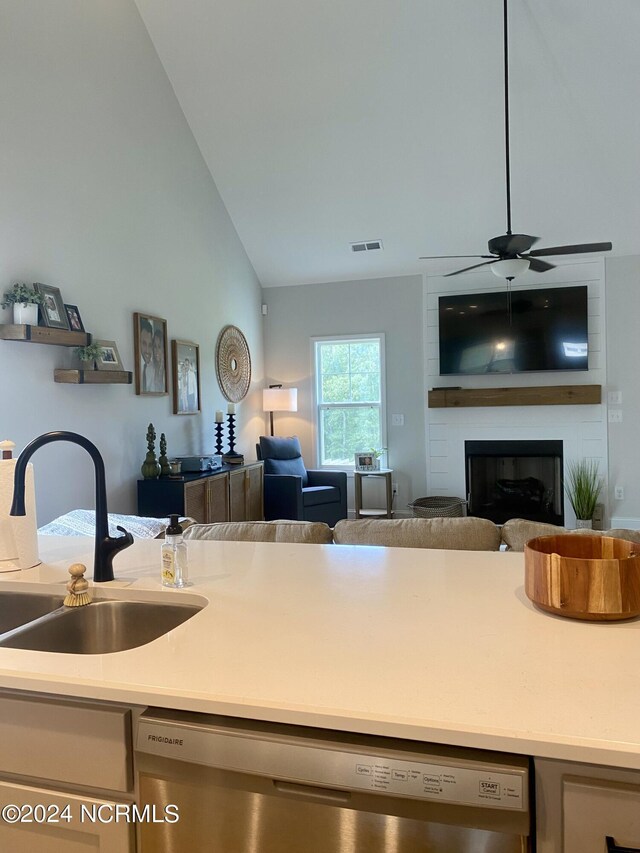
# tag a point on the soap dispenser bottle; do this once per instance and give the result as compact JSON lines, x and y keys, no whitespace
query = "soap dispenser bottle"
{"x":174,"y":556}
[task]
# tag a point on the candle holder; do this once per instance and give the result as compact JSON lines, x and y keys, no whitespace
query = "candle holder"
{"x":231,"y":457}
{"x":219,"y":438}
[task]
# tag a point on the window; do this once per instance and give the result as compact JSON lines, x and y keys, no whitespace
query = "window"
{"x":349,"y":397}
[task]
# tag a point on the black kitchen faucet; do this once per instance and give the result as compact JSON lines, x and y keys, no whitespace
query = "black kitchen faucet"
{"x":106,"y":546}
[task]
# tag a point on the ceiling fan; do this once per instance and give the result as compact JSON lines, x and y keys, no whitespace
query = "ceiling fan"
{"x":511,"y":254}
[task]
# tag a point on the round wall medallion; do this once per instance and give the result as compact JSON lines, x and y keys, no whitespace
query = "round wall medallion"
{"x":233,"y":364}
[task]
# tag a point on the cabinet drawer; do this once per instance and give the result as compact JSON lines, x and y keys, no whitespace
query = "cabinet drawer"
{"x":595,"y":809}
{"x":70,"y":831}
{"x":76,"y":743}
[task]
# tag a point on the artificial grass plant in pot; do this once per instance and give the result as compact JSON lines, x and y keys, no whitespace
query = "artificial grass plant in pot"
{"x":25,"y":301}
{"x":583,"y":485}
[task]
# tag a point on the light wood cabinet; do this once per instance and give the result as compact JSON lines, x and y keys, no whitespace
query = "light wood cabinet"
{"x":235,"y":493}
{"x":207,"y":500}
{"x":246,"y":494}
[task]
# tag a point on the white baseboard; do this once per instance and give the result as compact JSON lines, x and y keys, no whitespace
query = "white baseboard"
{"x":628,"y":523}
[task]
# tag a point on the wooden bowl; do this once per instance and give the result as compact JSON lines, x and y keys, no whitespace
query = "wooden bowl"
{"x":583,"y":577}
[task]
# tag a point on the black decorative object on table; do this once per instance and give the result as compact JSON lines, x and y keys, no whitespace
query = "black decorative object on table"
{"x":106,"y":547}
{"x":165,"y":468}
{"x":150,"y":467}
{"x":219,"y":438}
{"x":231,"y":457}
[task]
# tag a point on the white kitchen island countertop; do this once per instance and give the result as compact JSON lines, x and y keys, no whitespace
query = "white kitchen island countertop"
{"x":439,"y":646}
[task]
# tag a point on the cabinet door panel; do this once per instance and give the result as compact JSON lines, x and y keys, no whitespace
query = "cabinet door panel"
{"x":595,"y":810}
{"x":218,"y":498}
{"x":195,"y":500}
{"x":255,"y":499}
{"x":66,"y":836}
{"x":237,"y":496}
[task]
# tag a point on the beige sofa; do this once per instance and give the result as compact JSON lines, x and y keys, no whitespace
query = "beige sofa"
{"x":460,"y":534}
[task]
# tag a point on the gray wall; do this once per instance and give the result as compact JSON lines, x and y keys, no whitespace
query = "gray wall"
{"x":106,"y":196}
{"x":623,"y":365}
{"x":389,"y":305}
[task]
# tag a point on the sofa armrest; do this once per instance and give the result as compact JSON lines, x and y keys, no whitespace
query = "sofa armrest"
{"x":282,"y":497}
{"x":331,"y":478}
{"x":327,"y":478}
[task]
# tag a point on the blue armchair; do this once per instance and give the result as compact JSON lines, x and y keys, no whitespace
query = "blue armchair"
{"x":291,"y":491}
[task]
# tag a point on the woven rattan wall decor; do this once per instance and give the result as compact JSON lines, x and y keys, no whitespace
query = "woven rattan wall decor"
{"x":233,"y":364}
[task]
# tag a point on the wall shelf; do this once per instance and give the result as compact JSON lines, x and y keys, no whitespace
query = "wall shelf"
{"x":541,"y":395}
{"x":93,"y":377}
{"x":43,"y":335}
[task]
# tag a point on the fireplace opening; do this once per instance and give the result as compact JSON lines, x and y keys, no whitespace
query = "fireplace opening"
{"x":515,"y":479}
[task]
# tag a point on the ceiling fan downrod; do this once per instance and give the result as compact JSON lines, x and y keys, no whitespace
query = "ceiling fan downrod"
{"x":507,"y":149}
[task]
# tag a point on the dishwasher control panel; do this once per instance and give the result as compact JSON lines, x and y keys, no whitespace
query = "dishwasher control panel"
{"x":466,"y":779}
{"x":449,"y":783}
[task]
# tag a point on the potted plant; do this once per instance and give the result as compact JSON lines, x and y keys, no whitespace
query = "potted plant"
{"x":377,"y":452}
{"x":88,"y":355}
{"x":583,"y":486}
{"x":25,"y":301}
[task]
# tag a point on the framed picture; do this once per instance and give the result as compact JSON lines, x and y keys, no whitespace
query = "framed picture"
{"x":73,"y":316}
{"x":110,"y":358}
{"x":186,"y":377}
{"x":150,"y":343}
{"x":52,"y":307}
{"x":366,"y":462}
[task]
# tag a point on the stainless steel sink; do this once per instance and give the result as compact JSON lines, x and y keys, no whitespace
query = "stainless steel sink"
{"x":100,"y":627}
{"x":18,"y":608}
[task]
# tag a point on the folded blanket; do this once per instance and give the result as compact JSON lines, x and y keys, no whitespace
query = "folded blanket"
{"x":82,"y":522}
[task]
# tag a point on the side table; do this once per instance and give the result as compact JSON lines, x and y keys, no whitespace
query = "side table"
{"x":387,"y":473}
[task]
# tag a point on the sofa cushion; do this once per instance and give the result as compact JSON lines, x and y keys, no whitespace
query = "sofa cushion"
{"x":462,"y":534}
{"x":282,"y":456}
{"x":282,"y":530}
{"x":517,"y":531}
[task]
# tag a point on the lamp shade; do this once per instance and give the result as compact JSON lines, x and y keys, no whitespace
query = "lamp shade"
{"x":510,"y":268}
{"x":280,"y":400}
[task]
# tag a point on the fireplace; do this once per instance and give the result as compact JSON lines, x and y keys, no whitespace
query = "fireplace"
{"x":515,"y":479}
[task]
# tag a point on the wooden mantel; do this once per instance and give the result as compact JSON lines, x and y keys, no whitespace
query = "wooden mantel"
{"x":541,"y":395}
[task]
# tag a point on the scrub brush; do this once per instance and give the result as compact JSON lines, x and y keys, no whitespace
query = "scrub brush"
{"x":77,"y":595}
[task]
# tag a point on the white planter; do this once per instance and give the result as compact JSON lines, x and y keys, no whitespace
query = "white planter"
{"x":26,"y":315}
{"x":584,"y":524}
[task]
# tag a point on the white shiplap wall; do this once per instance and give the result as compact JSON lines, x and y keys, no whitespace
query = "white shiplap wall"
{"x":582,"y":429}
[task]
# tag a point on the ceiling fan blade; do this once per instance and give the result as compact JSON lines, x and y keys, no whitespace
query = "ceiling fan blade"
{"x":511,"y":244}
{"x":573,"y":250}
{"x":437,"y":257}
{"x":538,"y":266}
{"x":466,"y":269}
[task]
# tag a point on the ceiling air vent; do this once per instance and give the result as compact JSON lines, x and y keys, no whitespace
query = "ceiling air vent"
{"x":366,"y":246}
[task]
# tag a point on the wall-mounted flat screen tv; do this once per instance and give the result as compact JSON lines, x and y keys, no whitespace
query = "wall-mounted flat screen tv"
{"x":516,"y":332}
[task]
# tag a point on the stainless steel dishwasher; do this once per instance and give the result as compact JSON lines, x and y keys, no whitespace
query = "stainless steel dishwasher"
{"x":250,"y":787}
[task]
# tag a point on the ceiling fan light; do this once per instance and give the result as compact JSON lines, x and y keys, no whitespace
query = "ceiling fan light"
{"x":510,"y":268}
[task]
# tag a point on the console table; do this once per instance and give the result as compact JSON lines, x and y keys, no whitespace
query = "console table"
{"x":387,"y":512}
{"x":231,"y":493}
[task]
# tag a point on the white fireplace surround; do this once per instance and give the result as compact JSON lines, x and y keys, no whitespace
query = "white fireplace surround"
{"x":581,"y":428}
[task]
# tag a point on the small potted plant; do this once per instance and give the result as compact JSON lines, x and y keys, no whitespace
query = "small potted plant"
{"x":583,"y":486}
{"x":88,"y":355}
{"x":25,"y":301}
{"x":376,"y":453}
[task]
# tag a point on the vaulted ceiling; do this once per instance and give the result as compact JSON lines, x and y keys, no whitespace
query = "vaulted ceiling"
{"x":327,"y":123}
